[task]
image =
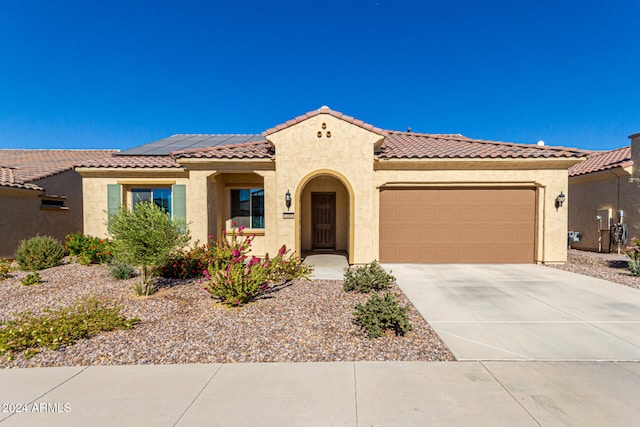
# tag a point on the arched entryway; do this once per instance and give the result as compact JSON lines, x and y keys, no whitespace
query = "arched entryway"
{"x":326,"y":219}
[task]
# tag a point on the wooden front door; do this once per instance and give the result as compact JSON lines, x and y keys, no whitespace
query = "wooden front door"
{"x":323,"y":207}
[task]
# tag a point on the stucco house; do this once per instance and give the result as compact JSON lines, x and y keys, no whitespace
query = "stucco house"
{"x":326,"y":182}
{"x":40,"y":193}
{"x":605,"y":191}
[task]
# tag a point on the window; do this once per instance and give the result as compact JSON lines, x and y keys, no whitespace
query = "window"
{"x":247,"y":207}
{"x":49,"y":202}
{"x":159,"y":196}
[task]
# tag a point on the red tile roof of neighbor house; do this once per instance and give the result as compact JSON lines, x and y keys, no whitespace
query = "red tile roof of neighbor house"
{"x":603,"y":160}
{"x":245,"y":150}
{"x":31,"y":165}
{"x":8,"y":179}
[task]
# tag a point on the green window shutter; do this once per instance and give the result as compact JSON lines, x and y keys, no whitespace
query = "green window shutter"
{"x":114,"y":199}
{"x":179,"y":199}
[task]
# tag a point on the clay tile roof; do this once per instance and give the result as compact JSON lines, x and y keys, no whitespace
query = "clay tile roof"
{"x":32,"y":165}
{"x":406,"y":145}
{"x":8,"y":179}
{"x":324,"y":110}
{"x":131,"y":162}
{"x":603,"y":160}
{"x":245,"y":150}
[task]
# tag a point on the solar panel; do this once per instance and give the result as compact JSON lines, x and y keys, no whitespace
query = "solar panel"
{"x":164,"y":147}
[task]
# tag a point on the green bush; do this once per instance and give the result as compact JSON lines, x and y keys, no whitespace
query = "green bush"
{"x":31,"y":279}
{"x":367,"y":278}
{"x":380,"y":314}
{"x":238,"y":283}
{"x":633,"y":255}
{"x":39,"y":252}
{"x":187,"y":265}
{"x":88,"y":249}
{"x":5,"y":269}
{"x":634,"y":266}
{"x":28,"y":333}
{"x":121,"y":270}
{"x":286,"y":266}
{"x":146,"y":236}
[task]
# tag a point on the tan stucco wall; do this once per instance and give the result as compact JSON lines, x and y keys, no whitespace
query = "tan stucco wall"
{"x":609,"y":189}
{"x":551,"y":223}
{"x":347,"y":155}
{"x":21,"y":216}
{"x":95,"y":195}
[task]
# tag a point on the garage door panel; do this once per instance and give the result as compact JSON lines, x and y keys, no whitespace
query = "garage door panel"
{"x":457,"y":225}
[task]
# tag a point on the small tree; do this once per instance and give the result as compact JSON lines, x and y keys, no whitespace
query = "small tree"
{"x":145,"y":237}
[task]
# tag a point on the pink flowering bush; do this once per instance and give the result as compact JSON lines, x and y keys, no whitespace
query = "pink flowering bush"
{"x":236,"y":279}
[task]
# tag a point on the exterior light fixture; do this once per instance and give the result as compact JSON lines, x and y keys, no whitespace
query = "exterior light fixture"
{"x":560,"y":200}
{"x":287,"y":199}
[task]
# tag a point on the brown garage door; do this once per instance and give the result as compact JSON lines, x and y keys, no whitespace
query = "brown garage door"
{"x":457,"y":225}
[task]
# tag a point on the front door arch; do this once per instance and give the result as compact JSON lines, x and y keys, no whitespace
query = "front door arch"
{"x":330,"y":227}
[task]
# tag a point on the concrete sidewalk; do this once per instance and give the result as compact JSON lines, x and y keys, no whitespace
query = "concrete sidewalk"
{"x":325,"y":394}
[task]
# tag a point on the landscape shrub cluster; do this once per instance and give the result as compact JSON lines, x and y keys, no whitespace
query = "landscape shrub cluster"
{"x":146,"y":237}
{"x":187,"y":264}
{"x":39,"y":252}
{"x":633,"y":256}
{"x":380,"y":313}
{"x":235,"y":279}
{"x":31,"y":279}
{"x":28,"y":333}
{"x":88,"y":249}
{"x":5,"y":269}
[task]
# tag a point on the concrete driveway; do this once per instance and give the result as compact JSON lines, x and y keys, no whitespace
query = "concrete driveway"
{"x":524,"y":312}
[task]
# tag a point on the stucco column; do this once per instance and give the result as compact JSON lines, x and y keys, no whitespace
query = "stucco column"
{"x":198,"y":205}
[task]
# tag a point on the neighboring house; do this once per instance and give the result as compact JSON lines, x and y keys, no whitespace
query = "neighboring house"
{"x":599,"y":188}
{"x":354,"y":188}
{"x":40,"y":193}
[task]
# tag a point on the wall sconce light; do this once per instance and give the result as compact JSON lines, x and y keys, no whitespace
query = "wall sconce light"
{"x":560,"y":200}
{"x":287,"y":199}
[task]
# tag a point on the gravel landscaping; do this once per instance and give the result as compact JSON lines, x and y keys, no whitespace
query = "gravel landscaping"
{"x":307,"y":321}
{"x":612,"y":267}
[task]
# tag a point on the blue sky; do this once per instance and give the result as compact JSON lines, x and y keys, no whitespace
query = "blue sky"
{"x":78,"y":74}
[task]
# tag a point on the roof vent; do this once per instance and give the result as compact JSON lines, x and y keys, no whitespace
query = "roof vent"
{"x":324,"y":107}
{"x":541,"y":143}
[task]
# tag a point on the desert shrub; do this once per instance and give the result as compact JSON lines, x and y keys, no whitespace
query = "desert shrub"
{"x":633,"y":256}
{"x":634,"y":266}
{"x":237,"y":284}
{"x":285,"y":266}
{"x":39,"y":252}
{"x":234,"y":279}
{"x":189,"y":264}
{"x":382,"y":313}
{"x":121,"y":270}
{"x":146,"y":236}
{"x":367,"y":278}
{"x":28,"y":333}
{"x":31,"y":279}
{"x":5,"y":268}
{"x":88,"y":249}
